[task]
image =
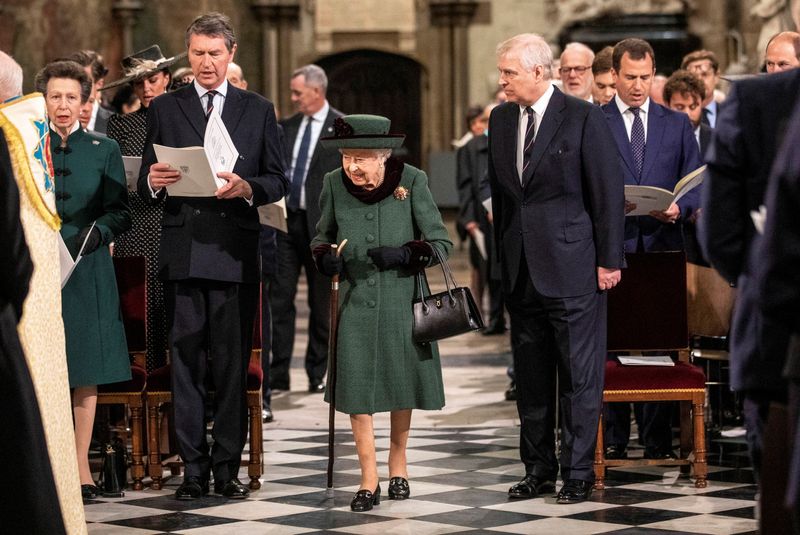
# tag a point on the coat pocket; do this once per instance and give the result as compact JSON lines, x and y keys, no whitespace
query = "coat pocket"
{"x":575,"y":233}
{"x":173,"y":220}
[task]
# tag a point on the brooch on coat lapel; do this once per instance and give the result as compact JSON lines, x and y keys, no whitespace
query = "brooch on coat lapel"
{"x":400,"y":193}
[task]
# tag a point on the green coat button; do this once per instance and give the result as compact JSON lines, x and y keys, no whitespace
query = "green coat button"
{"x":370,"y":238}
{"x":370,"y":216}
{"x":371,"y":282}
{"x":371,"y":303}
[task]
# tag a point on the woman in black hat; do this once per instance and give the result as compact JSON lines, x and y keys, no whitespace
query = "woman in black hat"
{"x":386,"y":211}
{"x":147,"y":71}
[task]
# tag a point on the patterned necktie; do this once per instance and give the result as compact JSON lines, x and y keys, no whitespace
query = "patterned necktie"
{"x":528,"y":147}
{"x":210,"y":102}
{"x":637,"y":141}
{"x":293,"y":202}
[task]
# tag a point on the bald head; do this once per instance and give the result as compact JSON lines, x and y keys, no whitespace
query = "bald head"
{"x":235,"y":76}
{"x":576,"y":70}
{"x":10,"y":77}
{"x":783,"y":52}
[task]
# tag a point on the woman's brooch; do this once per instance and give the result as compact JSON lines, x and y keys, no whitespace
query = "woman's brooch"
{"x":400,"y":193}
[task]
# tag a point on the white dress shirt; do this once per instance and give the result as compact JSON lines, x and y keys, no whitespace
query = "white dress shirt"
{"x":628,"y":116}
{"x":539,"y":108}
{"x":316,"y":129}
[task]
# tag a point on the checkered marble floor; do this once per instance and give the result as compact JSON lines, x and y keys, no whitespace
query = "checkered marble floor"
{"x":459,"y":477}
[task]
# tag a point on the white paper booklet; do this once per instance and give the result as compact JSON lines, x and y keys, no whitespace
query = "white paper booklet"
{"x":641,"y":360}
{"x":274,"y":215}
{"x":68,"y":265}
{"x":132,"y":166}
{"x":199,"y":165}
{"x":649,"y":198}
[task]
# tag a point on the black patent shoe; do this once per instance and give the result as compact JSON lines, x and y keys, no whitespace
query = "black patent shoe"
{"x":531,"y":487}
{"x":233,"y":489}
{"x":399,"y":489}
{"x":192,"y":488}
{"x":575,"y":491}
{"x":616,"y":452}
{"x":89,"y":492}
{"x":364,"y":500}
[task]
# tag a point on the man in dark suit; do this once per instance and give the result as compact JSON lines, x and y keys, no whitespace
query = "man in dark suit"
{"x":209,"y":253}
{"x":656,"y":147}
{"x":558,"y":205}
{"x":309,"y":162}
{"x":751,"y":128}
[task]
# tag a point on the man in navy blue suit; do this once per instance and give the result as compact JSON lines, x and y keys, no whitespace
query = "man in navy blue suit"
{"x":208,"y":254}
{"x":656,"y":147}
{"x":557,"y":206}
{"x":752,"y":125}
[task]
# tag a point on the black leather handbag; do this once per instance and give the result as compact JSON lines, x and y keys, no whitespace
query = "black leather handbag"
{"x":114,"y":471}
{"x":444,"y":314}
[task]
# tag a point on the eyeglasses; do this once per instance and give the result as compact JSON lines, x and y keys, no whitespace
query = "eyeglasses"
{"x":578,"y":70}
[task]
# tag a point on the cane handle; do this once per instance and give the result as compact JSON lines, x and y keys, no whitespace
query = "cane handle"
{"x":339,"y":247}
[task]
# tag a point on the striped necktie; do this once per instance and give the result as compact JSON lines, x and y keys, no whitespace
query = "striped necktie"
{"x":528,"y":146}
{"x":210,"y":102}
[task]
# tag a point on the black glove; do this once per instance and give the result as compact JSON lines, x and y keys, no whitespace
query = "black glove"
{"x":389,"y":257}
{"x":330,"y":264}
{"x":94,"y":241}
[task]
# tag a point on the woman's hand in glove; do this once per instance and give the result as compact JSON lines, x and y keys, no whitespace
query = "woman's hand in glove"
{"x":389,"y":257}
{"x":94,"y":241}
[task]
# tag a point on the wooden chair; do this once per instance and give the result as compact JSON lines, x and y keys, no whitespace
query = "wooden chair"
{"x":131,"y":275}
{"x":159,"y":391}
{"x":647,"y":312}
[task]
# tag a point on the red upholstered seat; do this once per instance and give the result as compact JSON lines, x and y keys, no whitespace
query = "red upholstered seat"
{"x":136,"y":384}
{"x":681,"y":376}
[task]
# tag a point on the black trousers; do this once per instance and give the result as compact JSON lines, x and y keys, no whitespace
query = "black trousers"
{"x":210,"y":338}
{"x":653,"y":418}
{"x":267,"y":248}
{"x":294,"y":254}
{"x":558,"y":346}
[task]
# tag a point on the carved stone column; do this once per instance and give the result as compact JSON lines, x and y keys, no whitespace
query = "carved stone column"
{"x":126,"y":12}
{"x":277,"y":18}
{"x":453,"y":17}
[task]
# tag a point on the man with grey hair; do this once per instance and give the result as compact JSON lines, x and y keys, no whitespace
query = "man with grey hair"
{"x":10,"y":77}
{"x":558,"y":207}
{"x":208,"y":254}
{"x":236,"y":76}
{"x":308,"y":162}
{"x":576,"y":71}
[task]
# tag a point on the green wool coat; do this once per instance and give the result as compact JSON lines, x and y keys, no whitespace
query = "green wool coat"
{"x":379,"y":367}
{"x":90,"y":186}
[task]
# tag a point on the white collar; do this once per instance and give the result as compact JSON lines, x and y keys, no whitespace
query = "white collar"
{"x":322,"y":113}
{"x":624,"y":107}
{"x":201,"y":91}
{"x":71,"y":130}
{"x":540,"y":106}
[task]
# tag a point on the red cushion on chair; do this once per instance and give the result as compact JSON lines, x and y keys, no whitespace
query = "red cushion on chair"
{"x":255,"y":375}
{"x":135,"y":384}
{"x":682,"y":375}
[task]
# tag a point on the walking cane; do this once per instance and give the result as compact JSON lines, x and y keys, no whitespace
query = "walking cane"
{"x":332,"y":335}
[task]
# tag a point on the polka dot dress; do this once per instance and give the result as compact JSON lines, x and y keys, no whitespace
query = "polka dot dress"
{"x":144,"y":236}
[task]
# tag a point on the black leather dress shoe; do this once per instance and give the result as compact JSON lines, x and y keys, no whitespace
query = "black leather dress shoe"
{"x":279,"y":385}
{"x":511,"y":393}
{"x":494,"y":329}
{"x":364,"y":500}
{"x":530,"y":487}
{"x":233,"y":489}
{"x":266,"y":414}
{"x":192,"y":488}
{"x":616,"y":452}
{"x":659,"y":454}
{"x":399,"y":489}
{"x":316,"y":387}
{"x":575,"y":491}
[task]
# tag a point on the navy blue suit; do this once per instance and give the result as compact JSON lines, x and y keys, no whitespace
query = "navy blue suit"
{"x":750,"y":129}
{"x":209,"y":258}
{"x":553,"y":228}
{"x":670,"y":153}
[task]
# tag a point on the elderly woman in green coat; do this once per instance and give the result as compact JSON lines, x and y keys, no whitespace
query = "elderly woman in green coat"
{"x":91,"y":199}
{"x":386,"y":212}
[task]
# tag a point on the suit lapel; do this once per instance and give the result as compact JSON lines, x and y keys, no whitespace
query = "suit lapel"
{"x":327,"y":130}
{"x":233,"y":109}
{"x":551,"y":121}
{"x":617,"y":125}
{"x":655,"y":131}
{"x":191,"y":107}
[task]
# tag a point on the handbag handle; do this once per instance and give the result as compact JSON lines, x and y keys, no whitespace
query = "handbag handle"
{"x":449,"y":280}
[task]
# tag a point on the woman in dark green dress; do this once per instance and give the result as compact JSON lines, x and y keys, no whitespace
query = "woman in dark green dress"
{"x":91,"y":199}
{"x":386,"y":212}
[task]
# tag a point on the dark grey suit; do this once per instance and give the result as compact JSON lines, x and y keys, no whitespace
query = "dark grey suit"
{"x":294,"y":253}
{"x":553,"y":229}
{"x":209,"y":259}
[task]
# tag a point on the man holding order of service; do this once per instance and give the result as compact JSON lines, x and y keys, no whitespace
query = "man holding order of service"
{"x":209,"y":253}
{"x":558,"y":208}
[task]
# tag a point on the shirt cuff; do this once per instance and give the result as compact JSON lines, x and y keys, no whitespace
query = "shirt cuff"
{"x":150,"y":187}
